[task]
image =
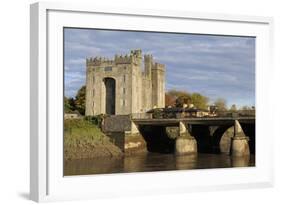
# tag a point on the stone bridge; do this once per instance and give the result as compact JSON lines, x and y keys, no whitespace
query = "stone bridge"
{"x":191,"y":135}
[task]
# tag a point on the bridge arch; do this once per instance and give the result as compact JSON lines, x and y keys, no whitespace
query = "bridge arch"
{"x":250,"y":131}
{"x":207,"y":132}
{"x":157,"y":139}
{"x":209,"y":137}
{"x":217,"y":137}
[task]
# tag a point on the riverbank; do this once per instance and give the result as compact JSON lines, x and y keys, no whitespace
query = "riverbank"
{"x":85,"y":140}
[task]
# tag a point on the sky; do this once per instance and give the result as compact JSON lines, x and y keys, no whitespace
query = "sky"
{"x":215,"y":66}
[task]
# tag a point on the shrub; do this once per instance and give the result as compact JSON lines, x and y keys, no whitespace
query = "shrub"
{"x":96,"y":120}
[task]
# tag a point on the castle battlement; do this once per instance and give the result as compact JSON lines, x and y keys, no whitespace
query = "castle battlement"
{"x":148,"y":55}
{"x":159,"y":66}
{"x":119,"y":59}
{"x":122,"y":85}
{"x":134,"y":57}
{"x":148,"y":58}
{"x":98,"y":61}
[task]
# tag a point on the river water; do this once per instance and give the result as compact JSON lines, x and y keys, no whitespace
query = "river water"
{"x":154,"y":162}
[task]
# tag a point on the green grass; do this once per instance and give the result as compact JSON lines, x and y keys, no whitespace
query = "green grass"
{"x":78,"y":131}
{"x":83,"y":139}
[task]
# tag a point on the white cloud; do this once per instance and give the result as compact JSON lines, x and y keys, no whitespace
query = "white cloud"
{"x":77,"y":61}
{"x":215,"y":65}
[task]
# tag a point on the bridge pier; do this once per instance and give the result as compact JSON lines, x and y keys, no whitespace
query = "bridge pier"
{"x":134,"y":141}
{"x":185,"y":143}
{"x":239,"y":146}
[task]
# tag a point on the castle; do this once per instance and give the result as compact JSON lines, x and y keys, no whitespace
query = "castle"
{"x":123,"y":86}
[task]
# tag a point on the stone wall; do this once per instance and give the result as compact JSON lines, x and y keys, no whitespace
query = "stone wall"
{"x":134,"y":143}
{"x":117,"y":123}
{"x":138,"y":89}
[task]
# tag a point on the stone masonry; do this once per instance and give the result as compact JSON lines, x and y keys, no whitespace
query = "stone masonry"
{"x":124,"y":85}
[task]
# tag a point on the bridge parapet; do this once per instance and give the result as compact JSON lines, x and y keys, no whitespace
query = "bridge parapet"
{"x":141,"y":116}
{"x":194,"y":120}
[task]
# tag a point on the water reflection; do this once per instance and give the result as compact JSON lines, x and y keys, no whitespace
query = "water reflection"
{"x":186,"y":162}
{"x":154,"y":162}
{"x":241,"y":161}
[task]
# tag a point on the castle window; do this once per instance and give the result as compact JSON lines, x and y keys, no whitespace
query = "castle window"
{"x":123,"y":102}
{"x":93,"y":92}
{"x":108,"y":69}
{"x":124,"y":78}
{"x":124,"y":90}
{"x":93,"y":79}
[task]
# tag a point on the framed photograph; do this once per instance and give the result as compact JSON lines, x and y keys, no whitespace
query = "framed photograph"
{"x":127,"y":102}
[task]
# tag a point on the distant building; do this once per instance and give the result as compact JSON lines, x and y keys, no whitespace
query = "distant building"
{"x":193,"y":112}
{"x":178,"y":112}
{"x":122,"y":86}
{"x":213,"y":110}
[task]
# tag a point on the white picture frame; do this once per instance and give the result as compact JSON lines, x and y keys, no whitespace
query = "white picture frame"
{"x":46,"y":178}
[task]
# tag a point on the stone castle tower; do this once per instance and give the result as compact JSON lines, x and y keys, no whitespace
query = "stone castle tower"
{"x":123,"y":86}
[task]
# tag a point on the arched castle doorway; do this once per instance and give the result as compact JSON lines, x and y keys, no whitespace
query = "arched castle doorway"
{"x":110,"y":87}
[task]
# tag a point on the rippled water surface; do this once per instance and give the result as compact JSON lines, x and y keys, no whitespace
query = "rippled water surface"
{"x":154,"y":162}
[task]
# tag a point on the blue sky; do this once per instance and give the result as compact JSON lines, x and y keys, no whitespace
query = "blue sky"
{"x":215,"y":66}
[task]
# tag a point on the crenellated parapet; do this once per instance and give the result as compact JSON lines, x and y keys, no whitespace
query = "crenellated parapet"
{"x":148,"y":59}
{"x":159,"y":66}
{"x":120,"y":59}
{"x":134,"y":57}
{"x":98,"y":61}
{"x":136,"y":53}
{"x":139,"y":84}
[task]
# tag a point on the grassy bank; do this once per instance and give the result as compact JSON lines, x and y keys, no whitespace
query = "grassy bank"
{"x":83,"y":139}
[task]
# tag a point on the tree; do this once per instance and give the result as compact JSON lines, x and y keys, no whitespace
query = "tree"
{"x":80,"y":99}
{"x":233,"y":108}
{"x":177,"y":98}
{"x":176,"y":93}
{"x":245,"y":107}
{"x":66,"y":105}
{"x":199,"y":101}
{"x":183,"y":99}
{"x":169,"y":100}
{"x":71,"y":102}
{"x":220,"y":103}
